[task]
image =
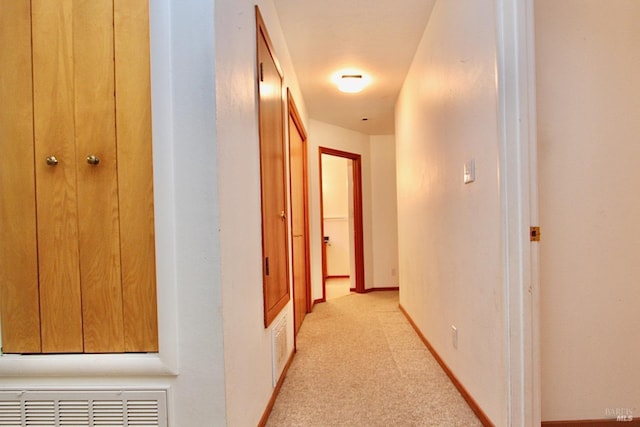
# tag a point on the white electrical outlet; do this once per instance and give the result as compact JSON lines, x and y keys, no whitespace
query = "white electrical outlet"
{"x":454,"y":336}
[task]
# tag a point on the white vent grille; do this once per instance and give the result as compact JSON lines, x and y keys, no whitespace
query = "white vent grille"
{"x":10,"y":413}
{"x":40,"y":413}
{"x":279,"y":347}
{"x":83,"y":408}
{"x":73,"y":413}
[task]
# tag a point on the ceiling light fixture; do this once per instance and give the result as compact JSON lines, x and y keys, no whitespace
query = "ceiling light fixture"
{"x":350,"y":80}
{"x":351,"y":83}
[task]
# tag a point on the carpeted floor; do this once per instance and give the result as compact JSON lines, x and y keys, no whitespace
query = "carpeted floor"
{"x":337,"y":288}
{"x":359,"y":363}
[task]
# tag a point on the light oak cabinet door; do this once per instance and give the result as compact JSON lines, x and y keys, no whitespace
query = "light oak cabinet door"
{"x":77,"y":250}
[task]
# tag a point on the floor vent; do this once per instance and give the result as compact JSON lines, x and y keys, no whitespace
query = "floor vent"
{"x":279,"y":347}
{"x":129,"y":408}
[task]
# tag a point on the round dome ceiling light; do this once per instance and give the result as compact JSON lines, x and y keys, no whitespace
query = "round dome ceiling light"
{"x":352,"y":83}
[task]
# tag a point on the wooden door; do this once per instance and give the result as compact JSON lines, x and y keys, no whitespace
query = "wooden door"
{"x":272,"y":170}
{"x":77,"y":207}
{"x":299,"y":215}
{"x":56,"y":180}
{"x":20,"y":308}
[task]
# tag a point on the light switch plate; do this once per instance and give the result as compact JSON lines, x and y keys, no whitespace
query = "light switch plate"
{"x":454,"y":336}
{"x":470,"y":171}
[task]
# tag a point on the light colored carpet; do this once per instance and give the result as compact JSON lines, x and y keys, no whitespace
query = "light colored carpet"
{"x":337,"y":288}
{"x":360,"y":363}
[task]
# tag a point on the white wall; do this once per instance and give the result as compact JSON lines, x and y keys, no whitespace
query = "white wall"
{"x":335,"y":186}
{"x":376,"y":248}
{"x":247,"y":346}
{"x":197,"y":392}
{"x":325,"y":135}
{"x":339,"y":246}
{"x":384,"y":210}
{"x":588,"y":90}
{"x":336,"y":201}
{"x":449,"y":233}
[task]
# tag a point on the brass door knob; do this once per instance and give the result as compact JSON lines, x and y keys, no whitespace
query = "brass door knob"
{"x":93,"y":160}
{"x":52,"y":161}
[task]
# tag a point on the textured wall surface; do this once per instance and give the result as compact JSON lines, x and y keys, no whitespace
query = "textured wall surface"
{"x":450,"y":233}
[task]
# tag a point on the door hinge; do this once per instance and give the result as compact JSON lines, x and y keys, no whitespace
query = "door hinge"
{"x":534,"y":234}
{"x":266,"y":266}
{"x":262,"y":71}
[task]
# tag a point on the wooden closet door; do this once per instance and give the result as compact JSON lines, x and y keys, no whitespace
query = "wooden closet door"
{"x":98,"y":210}
{"x":20,"y":311}
{"x":299,"y":220}
{"x":78,"y":246}
{"x":135,"y":168}
{"x":53,"y":103}
{"x":272,"y":170}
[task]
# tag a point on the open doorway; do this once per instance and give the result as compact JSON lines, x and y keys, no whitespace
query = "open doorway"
{"x":341,"y":225}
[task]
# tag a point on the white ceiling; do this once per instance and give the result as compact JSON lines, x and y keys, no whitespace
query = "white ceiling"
{"x":378,"y":37}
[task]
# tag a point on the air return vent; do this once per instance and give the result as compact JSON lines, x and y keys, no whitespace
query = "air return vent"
{"x":130,"y":408}
{"x":279,"y":347}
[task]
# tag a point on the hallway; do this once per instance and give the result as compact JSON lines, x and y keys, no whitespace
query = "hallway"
{"x":359,"y":362}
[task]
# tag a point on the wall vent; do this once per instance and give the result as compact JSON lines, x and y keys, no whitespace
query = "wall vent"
{"x":279,"y":347}
{"x":88,"y":408}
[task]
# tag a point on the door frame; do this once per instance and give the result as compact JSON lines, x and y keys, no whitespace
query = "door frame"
{"x":294,"y":115}
{"x":358,"y":224}
{"x":515,"y":65}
